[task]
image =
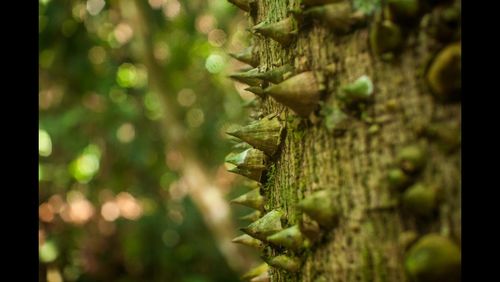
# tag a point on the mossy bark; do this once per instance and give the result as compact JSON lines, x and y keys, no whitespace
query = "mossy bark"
{"x":365,"y":245}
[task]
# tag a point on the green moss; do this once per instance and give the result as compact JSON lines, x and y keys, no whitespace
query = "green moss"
{"x":380,"y":264}
{"x":368,"y":7}
{"x":271,"y":172}
{"x":334,"y":119}
{"x":367,"y":264}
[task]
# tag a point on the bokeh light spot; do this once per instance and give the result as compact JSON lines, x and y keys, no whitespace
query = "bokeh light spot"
{"x":217,"y":37}
{"x":44,"y":143}
{"x":79,"y":209}
{"x":97,"y":55}
{"x":156,"y":4}
{"x":215,"y":63}
{"x":48,"y":252}
{"x":50,"y":97}
{"x":171,"y":8}
{"x":154,"y":111}
{"x":186,"y":97}
{"x":205,"y":23}
{"x":110,"y":211}
{"x":45,"y":213}
{"x":176,"y":216}
{"x":86,"y":165}
{"x":117,"y":95}
{"x":94,"y":7}
{"x":161,"y":51}
{"x":129,"y":206}
{"x":94,"y":102}
{"x":174,"y":159}
{"x":126,"y":133}
{"x":126,"y":75}
{"x":129,"y":75}
{"x":195,"y":117}
{"x":79,"y":12}
{"x":56,"y":203}
{"x":53,"y":275}
{"x":123,"y":33}
{"x":177,"y":191}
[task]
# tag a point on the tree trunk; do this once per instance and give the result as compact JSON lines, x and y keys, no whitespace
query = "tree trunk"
{"x":368,"y":242}
{"x":201,"y":188}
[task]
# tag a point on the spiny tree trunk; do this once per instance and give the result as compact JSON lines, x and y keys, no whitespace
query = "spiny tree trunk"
{"x":376,"y":227}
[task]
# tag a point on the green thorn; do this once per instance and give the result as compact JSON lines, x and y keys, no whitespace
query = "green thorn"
{"x":256,"y":271}
{"x":252,"y":174}
{"x":397,"y":179}
{"x":267,"y":225}
{"x":252,"y":216}
{"x":407,"y":238}
{"x":444,"y":74}
{"x":283,"y":31}
{"x":447,"y":135}
{"x":403,"y":10}
{"x":264,"y":134}
{"x":248,"y":241}
{"x":338,"y":16}
{"x":300,"y":93}
{"x":257,"y":90}
{"x":241,"y":146}
{"x":290,"y":238}
{"x":385,"y":37}
{"x":420,"y":199}
{"x":247,"y":77}
{"x":264,"y":277}
{"x":250,"y":159}
{"x":247,"y":56}
{"x":242,"y":4}
{"x":434,"y":258}
{"x":411,"y":158}
{"x":320,"y":207}
{"x":252,"y":199}
{"x":276,"y":75}
{"x":284,"y":262}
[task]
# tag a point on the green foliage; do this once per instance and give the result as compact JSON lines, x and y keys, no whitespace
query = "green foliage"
{"x":110,"y":204}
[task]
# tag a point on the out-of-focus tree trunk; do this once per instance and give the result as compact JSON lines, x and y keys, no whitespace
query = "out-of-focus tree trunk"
{"x":368,"y":242}
{"x":200,"y":186}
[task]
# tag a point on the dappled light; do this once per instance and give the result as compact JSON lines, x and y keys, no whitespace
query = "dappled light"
{"x":132,"y":99}
{"x":44,"y":143}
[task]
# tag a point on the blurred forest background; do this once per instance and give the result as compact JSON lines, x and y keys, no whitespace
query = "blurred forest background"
{"x":133,"y":105}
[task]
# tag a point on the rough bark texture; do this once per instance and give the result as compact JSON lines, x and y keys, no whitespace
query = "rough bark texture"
{"x":365,"y":245}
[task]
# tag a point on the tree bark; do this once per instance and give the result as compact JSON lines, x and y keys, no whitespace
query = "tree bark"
{"x":366,"y":244}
